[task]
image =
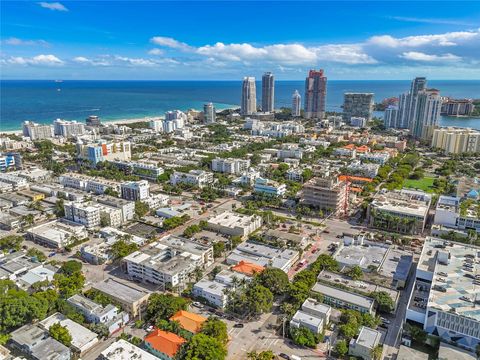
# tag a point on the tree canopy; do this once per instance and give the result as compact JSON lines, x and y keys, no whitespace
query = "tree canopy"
{"x":215,"y":328}
{"x":61,"y":334}
{"x":204,"y":347}
{"x":163,"y":306}
{"x":274,"y":279}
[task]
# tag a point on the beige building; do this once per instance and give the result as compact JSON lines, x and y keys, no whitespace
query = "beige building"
{"x":456,"y":140}
{"x":325,"y":193}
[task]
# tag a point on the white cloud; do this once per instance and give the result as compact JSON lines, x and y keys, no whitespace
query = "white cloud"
{"x":56,"y":6}
{"x":429,"y":21}
{"x":46,"y":60}
{"x":288,"y":54}
{"x":19,"y":42}
{"x":156,"y":51}
{"x":102,"y":61}
{"x":169,"y":43}
{"x":446,"y":39}
{"x":420,"y":56}
{"x":347,"y":54}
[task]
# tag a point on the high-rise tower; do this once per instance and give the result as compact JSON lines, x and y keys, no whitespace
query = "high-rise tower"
{"x":249,"y":96}
{"x":296,"y":104}
{"x":315,"y":94}
{"x":268,"y":92}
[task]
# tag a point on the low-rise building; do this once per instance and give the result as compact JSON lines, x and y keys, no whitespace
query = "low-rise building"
{"x":103,"y":150}
{"x":18,"y":182}
{"x":197,"y":178}
{"x":82,"y":338}
{"x":367,"y":340}
{"x":35,"y":342}
{"x":169,"y":262}
{"x":313,"y":315}
{"x":378,"y":157}
{"x":163,"y":344}
{"x":95,"y":313}
{"x":215,"y":291}
{"x":124,"y":350}
{"x":234,"y":224}
{"x":57,"y":234}
{"x":403,"y":211}
{"x":230,"y":166}
{"x":269,"y":187}
{"x":444,"y":298}
{"x":363,"y":169}
{"x":144,"y":170}
{"x":131,"y":297}
{"x":456,"y":213}
{"x":290,"y":152}
{"x":189,"y":321}
{"x":135,"y":190}
{"x":89,"y":184}
{"x":345,"y":299}
{"x":263,"y":255}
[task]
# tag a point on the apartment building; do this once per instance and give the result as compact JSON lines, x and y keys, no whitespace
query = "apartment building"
{"x":95,"y":313}
{"x":403,"y":211}
{"x":444,"y":299}
{"x":367,"y":340}
{"x":37,"y":131}
{"x":103,"y":150}
{"x":345,"y":299}
{"x":269,"y":187}
{"x":456,"y":140}
{"x":87,"y":214}
{"x":197,"y":178}
{"x":68,"y":129}
{"x":326,"y":193}
{"x":457,"y":107}
{"x":457,"y":213}
{"x":135,"y":190}
{"x":313,"y":315}
{"x":357,"y":105}
{"x":144,"y":170}
{"x":169,"y":262}
{"x":88,"y":183}
{"x":234,"y":224}
{"x":230,"y":165}
{"x":57,"y":233}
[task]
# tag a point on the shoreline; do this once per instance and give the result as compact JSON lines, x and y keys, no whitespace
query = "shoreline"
{"x":119,"y":121}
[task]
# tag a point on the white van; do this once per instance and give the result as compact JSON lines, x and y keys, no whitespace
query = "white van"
{"x":295,"y":357}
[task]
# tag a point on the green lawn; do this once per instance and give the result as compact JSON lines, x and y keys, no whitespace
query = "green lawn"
{"x":424,"y":184}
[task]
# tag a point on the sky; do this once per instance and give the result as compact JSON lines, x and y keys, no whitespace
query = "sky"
{"x":226,"y":40}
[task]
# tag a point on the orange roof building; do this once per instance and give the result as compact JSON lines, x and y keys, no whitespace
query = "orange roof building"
{"x":189,"y":321}
{"x":363,"y":149}
{"x":247,"y":268}
{"x":163,"y":344}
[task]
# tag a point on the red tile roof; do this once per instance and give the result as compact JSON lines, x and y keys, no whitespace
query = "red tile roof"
{"x":189,"y":321}
{"x":165,"y":342}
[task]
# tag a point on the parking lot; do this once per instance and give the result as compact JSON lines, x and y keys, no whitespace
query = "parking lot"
{"x":259,"y":335}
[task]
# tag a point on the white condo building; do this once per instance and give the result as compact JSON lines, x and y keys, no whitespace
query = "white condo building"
{"x":169,"y":262}
{"x":249,"y":96}
{"x":268,"y":92}
{"x":68,"y":129}
{"x":230,"y":166}
{"x":209,"y":113}
{"x":456,"y":140}
{"x":296,"y":104}
{"x":37,"y":131}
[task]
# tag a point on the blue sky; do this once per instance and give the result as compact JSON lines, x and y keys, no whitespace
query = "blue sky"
{"x":228,"y":40}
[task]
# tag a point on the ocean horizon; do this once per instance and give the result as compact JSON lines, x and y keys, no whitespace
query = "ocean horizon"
{"x":43,"y":101}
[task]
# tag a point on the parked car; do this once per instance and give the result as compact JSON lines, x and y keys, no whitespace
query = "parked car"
{"x":197,"y":304}
{"x":284,"y":356}
{"x":238,"y":325}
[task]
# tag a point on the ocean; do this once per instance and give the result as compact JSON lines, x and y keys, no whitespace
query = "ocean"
{"x":44,"y":101}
